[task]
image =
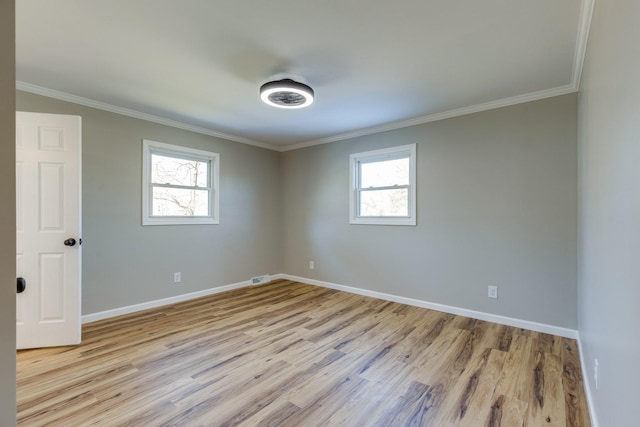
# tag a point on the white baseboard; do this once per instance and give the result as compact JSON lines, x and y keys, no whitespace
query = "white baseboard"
{"x":586,"y":380}
{"x":160,"y":302}
{"x":503,"y":320}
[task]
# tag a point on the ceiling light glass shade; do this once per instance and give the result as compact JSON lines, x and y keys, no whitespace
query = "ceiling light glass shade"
{"x":286,"y":94}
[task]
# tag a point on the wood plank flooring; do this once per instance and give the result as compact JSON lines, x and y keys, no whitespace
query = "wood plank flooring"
{"x":291,"y":354}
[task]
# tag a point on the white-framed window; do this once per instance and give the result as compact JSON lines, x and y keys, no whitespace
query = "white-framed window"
{"x":383,"y":186}
{"x":179,"y":185}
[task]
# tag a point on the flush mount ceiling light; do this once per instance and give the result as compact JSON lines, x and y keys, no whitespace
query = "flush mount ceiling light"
{"x":286,"y":93}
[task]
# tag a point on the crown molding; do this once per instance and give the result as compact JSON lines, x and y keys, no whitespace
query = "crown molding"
{"x":39,"y":90}
{"x":584,"y":25}
{"x":534,"y":96}
{"x":520,"y":99}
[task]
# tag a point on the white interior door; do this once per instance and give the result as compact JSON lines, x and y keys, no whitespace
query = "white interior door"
{"x":48,"y":229}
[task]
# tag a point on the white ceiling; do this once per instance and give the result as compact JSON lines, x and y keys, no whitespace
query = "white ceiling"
{"x":374,"y":64}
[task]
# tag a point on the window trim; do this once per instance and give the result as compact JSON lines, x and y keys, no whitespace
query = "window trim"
{"x":354,"y":189}
{"x":148,"y":148}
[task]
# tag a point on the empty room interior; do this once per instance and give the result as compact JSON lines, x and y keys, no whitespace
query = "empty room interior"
{"x":356,"y":213}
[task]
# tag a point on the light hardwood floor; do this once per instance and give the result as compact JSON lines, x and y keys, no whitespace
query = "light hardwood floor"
{"x":291,"y":354}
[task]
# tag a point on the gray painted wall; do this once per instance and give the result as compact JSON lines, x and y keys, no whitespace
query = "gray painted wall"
{"x":497,"y":205}
{"x":609,"y":183}
{"x":125,"y":263}
{"x":7,"y":215}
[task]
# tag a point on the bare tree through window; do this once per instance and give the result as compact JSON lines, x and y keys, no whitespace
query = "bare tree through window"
{"x":179,"y":186}
{"x":383,"y":186}
{"x":379,"y":181}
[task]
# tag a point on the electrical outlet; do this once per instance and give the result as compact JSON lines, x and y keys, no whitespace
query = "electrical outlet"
{"x":493,"y":292}
{"x":595,"y":372}
{"x":312,"y":265}
{"x":177,"y":277}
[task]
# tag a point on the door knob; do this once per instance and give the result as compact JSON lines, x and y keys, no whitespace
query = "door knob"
{"x":70,"y":242}
{"x":22,"y":285}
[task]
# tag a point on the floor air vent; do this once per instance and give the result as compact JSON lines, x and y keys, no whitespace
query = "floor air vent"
{"x":259,"y":280}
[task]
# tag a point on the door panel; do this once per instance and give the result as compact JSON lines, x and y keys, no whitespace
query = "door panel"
{"x":52,"y":292}
{"x":51,"y":185}
{"x":48,"y":213}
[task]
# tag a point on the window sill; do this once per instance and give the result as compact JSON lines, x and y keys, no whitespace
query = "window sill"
{"x":180,"y":221}
{"x":383,"y":221}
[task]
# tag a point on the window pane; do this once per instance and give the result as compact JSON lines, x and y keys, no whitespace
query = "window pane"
{"x":180,"y":202}
{"x":384,"y":202}
{"x":176,"y":171}
{"x":385,"y":173}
